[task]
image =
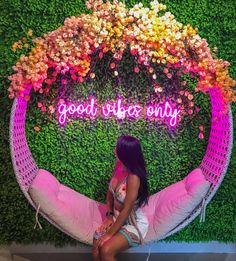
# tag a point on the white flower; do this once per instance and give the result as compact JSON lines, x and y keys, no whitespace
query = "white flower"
{"x":154,"y":4}
{"x":178,"y":36}
{"x":144,"y":16}
{"x":167,"y":14}
{"x":131,"y":11}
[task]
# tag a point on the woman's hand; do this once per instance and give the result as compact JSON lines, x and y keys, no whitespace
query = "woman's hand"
{"x":103,"y":239}
{"x":106,"y":224}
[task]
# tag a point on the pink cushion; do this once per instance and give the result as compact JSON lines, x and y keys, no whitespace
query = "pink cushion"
{"x":75,"y":213}
{"x":79,"y":215}
{"x":173,"y":204}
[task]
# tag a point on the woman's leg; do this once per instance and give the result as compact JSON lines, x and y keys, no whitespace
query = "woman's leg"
{"x":95,"y":251}
{"x":113,"y":246}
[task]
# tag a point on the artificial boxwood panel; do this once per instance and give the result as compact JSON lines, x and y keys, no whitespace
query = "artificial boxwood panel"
{"x":215,"y":22}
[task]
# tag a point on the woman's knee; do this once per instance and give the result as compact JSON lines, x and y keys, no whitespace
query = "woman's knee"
{"x":106,"y":251}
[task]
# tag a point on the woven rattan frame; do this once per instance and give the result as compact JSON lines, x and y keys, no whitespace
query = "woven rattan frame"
{"x":214,"y":164}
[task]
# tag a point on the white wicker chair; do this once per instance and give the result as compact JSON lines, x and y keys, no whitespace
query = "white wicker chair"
{"x":214,"y":164}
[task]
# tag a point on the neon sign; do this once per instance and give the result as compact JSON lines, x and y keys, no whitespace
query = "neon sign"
{"x":118,"y":110}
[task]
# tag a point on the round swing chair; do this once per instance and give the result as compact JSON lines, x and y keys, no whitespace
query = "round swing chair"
{"x":168,"y":211}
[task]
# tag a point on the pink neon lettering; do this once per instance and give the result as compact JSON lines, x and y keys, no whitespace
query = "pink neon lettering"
{"x":107,"y":109}
{"x":165,"y":111}
{"x":167,"y":106}
{"x":159,"y":112}
{"x":138,"y":110}
{"x":118,"y":110}
{"x":90,"y":108}
{"x":149,"y":111}
{"x":71,"y":109}
{"x":62,"y":113}
{"x":81,"y":109}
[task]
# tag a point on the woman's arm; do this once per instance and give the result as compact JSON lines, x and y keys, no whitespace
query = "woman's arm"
{"x":109,"y":201}
{"x":131,"y":195}
{"x":109,"y":196}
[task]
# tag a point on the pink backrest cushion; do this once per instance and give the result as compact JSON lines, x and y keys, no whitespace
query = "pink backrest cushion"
{"x":173,"y":204}
{"x":74,"y":212}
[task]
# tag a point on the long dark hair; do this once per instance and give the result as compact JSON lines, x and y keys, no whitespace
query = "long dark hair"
{"x":129,"y":152}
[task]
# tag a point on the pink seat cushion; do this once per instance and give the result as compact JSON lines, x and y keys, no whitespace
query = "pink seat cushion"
{"x":79,"y":215}
{"x":172,"y":205}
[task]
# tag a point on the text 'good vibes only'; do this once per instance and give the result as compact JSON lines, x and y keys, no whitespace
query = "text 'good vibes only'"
{"x":118,"y":110}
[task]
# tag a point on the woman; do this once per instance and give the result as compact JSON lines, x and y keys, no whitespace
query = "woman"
{"x":126,"y":224}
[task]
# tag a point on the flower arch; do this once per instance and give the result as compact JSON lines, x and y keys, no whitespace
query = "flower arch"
{"x":153,"y":38}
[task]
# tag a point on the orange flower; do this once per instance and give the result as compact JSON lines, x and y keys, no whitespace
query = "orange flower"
{"x":36,"y":128}
{"x":30,"y":32}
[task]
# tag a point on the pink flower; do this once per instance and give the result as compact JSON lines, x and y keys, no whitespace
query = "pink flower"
{"x":190,"y":112}
{"x":158,"y":88}
{"x":51,"y":109}
{"x":190,"y":97}
{"x":136,"y":69}
{"x":40,"y":104}
{"x":201,"y":136}
{"x":11,"y":96}
{"x":61,"y":101}
{"x":27,"y":97}
{"x":112,"y":65}
{"x":63,"y":81}
{"x":43,"y":109}
{"x":151,"y":70}
{"x":201,"y":128}
{"x":81,"y":79}
{"x":133,"y":52}
{"x":165,"y":70}
{"x":73,"y":77}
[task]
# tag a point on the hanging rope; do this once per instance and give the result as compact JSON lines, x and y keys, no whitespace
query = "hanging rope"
{"x":203,"y":210}
{"x":37,"y":219}
{"x":149,"y":253}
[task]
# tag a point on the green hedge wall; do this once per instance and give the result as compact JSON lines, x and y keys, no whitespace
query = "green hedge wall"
{"x":87,"y":168}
